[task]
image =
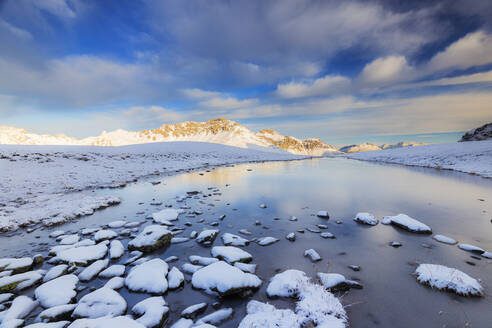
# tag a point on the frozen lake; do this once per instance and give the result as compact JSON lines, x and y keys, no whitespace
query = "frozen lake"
{"x":452,"y":204}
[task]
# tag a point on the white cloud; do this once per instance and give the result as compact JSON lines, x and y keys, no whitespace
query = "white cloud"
{"x":388,"y":69}
{"x":196,"y":93}
{"x":81,"y":81}
{"x":429,"y":114}
{"x":16,"y":31}
{"x":290,"y":31}
{"x":483,"y":77}
{"x":228,"y":103}
{"x":151,"y":115}
{"x":330,"y":84}
{"x":56,"y":7}
{"x":304,"y":107}
{"x":473,"y":49}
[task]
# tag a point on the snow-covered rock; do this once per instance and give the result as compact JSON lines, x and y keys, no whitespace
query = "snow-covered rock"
{"x":82,"y":255}
{"x":193,"y":310}
{"x":56,"y":313}
{"x":442,"y":277}
{"x":55,"y":272}
{"x":20,"y":308}
{"x":115,"y":283}
{"x":5,"y":297}
{"x":100,"y":303}
{"x":151,"y":311}
{"x":312,"y":254}
{"x":230,"y":239}
{"x":231,"y":254}
{"x":151,"y":238}
{"x":16,"y":265}
{"x":224,"y":279}
{"x":58,"y":291}
{"x":104,"y":235}
{"x":316,"y":307}
{"x":217,"y":317}
{"x":287,"y":283}
{"x":405,"y":222}
{"x":106,"y":322}
{"x":246,"y":267}
{"x":116,"y":249}
{"x":265,"y":241}
{"x":175,"y":278}
{"x":366,"y":218}
{"x":69,"y":239}
{"x":487,"y":255}
{"x":183,"y":323}
{"x":58,"y":324}
{"x":203,"y":261}
{"x":148,"y":277}
{"x":116,"y":224}
{"x":445,"y":239}
{"x":471,"y":248}
{"x":20,"y":281}
{"x":93,"y":270}
{"x":336,"y":281}
{"x":320,"y":308}
{"x":327,"y":235}
{"x":166,"y":215}
{"x":191,"y":268}
{"x":267,"y":316}
{"x":207,"y":236}
{"x":114,"y":270}
{"x":88,"y":231}
{"x":291,"y":236}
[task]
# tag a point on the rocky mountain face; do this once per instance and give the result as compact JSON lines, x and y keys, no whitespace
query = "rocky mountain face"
{"x":219,"y":130}
{"x":482,"y":133}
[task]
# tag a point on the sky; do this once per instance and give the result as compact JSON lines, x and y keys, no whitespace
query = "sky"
{"x":343,"y":71}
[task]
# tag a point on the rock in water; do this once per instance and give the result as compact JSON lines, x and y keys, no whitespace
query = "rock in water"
{"x":152,"y":311}
{"x":148,"y":277}
{"x":224,"y":279}
{"x":151,"y":238}
{"x":366,"y":218}
{"x":405,"y":222}
{"x":58,"y":291}
{"x":207,"y":237}
{"x":441,"y":277}
{"x":100,"y":303}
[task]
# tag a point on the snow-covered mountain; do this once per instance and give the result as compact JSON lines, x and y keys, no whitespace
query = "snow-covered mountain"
{"x":482,"y":133}
{"x":367,"y":146}
{"x":221,"y":131}
{"x":402,"y":144}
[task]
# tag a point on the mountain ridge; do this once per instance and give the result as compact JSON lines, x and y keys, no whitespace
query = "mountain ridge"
{"x":218,"y":130}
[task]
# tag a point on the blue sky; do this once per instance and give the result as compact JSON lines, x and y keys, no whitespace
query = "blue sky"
{"x":344,"y":71}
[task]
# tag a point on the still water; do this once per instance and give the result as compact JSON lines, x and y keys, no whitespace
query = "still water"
{"x":453,"y":204}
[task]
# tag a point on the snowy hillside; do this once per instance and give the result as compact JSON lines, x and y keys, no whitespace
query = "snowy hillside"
{"x":219,"y":131}
{"x":470,"y":157}
{"x":47,"y":183}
